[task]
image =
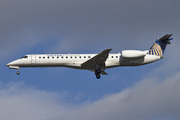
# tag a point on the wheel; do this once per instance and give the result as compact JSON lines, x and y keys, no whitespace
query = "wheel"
{"x":18,"y":72}
{"x":98,"y":76}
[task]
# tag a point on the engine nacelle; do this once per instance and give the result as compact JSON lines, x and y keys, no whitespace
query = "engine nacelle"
{"x":132,"y":53}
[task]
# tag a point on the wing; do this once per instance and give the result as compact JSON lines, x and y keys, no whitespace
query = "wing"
{"x":99,"y":59}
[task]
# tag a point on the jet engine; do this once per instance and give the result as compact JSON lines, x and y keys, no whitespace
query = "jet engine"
{"x":132,"y":53}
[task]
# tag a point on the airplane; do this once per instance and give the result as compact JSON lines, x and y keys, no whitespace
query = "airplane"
{"x":96,"y":63}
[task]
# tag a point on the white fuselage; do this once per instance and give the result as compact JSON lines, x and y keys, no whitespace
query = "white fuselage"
{"x":95,"y":62}
{"x":75,"y":60}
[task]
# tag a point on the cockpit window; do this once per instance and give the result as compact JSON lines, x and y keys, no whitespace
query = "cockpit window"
{"x":24,"y":57}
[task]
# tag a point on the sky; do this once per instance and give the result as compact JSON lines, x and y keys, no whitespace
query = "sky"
{"x":149,"y":92}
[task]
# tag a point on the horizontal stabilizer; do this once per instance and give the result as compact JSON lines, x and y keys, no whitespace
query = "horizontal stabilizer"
{"x":166,"y":37}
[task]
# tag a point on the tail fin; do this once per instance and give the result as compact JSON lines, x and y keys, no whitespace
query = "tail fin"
{"x":159,"y":46}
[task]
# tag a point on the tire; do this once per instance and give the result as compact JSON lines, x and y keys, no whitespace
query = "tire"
{"x":18,"y":72}
{"x":98,"y":76}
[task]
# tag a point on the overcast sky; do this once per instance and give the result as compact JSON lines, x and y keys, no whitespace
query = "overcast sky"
{"x":150,"y":92}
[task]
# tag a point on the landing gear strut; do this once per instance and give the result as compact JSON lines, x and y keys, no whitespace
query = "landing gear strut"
{"x":98,"y":72}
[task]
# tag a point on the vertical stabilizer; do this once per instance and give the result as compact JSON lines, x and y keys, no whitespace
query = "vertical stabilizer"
{"x":159,"y":46}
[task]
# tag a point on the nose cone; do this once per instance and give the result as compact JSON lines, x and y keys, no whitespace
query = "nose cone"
{"x":8,"y":64}
{"x":13,"y":63}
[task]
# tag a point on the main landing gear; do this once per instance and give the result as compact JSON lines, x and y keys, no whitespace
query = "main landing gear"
{"x":98,"y":76}
{"x":98,"y":72}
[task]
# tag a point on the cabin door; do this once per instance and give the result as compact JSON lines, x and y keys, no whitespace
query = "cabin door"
{"x":33,"y":59}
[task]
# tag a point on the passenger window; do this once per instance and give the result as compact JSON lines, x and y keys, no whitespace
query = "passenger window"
{"x":89,"y":56}
{"x":79,"y":56}
{"x":71,"y":56}
{"x":48,"y":57}
{"x":53,"y":57}
{"x":84,"y":56}
{"x":57,"y":57}
{"x":66,"y":57}
{"x":116,"y":56}
{"x":111,"y":56}
{"x":75,"y":57}
{"x":61,"y":57}
{"x":43,"y":57}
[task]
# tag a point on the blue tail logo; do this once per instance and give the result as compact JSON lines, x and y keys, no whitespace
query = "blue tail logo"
{"x":159,"y":46}
{"x":155,"y":50}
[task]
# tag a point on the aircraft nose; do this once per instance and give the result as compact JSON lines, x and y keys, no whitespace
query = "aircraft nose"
{"x":9,"y":64}
{"x":16,"y":62}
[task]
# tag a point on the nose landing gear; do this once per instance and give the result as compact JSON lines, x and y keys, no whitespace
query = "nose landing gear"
{"x":18,"y":72}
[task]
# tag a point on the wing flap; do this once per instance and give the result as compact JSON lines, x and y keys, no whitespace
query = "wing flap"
{"x":103,"y":72}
